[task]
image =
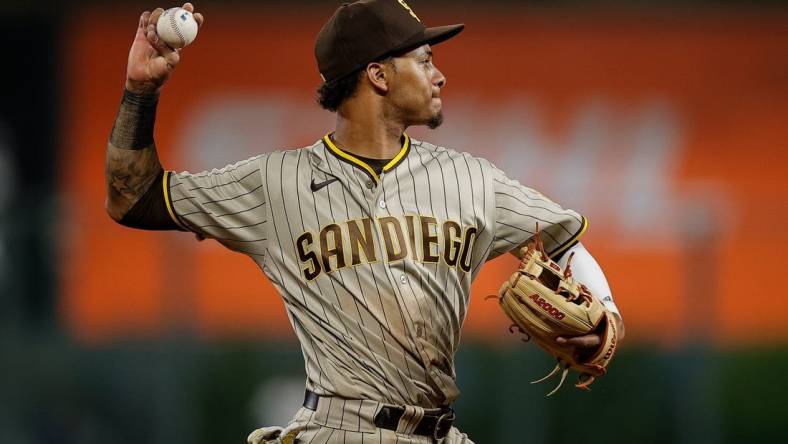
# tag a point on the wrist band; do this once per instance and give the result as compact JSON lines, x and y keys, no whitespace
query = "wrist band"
{"x":133,"y":128}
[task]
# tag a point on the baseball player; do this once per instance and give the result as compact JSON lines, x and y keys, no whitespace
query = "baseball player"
{"x":371,"y":238}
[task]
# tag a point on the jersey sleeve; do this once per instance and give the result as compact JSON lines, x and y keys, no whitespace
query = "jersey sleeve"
{"x":518,"y":209}
{"x":225,"y":204}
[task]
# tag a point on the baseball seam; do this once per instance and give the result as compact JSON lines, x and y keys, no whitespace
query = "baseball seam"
{"x":174,"y":25}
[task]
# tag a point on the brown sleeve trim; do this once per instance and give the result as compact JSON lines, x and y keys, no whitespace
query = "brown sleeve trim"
{"x":150,"y":211}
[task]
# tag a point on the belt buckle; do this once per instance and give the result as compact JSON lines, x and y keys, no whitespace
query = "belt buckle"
{"x":443,"y":425}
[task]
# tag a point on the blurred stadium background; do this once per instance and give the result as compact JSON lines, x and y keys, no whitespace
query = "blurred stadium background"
{"x":664,"y":122}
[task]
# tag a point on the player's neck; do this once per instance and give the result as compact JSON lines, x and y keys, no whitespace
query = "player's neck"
{"x":368,"y":135}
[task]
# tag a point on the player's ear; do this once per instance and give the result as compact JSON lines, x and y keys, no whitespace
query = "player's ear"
{"x":378,"y":76}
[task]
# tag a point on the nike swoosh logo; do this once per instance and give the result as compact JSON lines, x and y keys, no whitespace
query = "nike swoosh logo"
{"x":317,"y":186}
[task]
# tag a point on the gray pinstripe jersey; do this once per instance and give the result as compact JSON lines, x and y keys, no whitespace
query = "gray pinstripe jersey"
{"x":375,"y":271}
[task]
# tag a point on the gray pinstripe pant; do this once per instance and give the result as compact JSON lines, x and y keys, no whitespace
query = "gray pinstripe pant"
{"x":351,"y":422}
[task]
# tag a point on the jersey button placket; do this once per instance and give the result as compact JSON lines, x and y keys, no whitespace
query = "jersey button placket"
{"x":381,"y":202}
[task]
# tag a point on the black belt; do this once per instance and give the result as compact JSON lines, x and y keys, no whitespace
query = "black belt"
{"x":433,"y":425}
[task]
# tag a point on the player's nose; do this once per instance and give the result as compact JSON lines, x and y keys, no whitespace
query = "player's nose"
{"x":439,"y":80}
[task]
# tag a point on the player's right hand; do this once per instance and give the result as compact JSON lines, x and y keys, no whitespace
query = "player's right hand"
{"x":151,"y":61}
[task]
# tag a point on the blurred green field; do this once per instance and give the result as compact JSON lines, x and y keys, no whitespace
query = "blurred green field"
{"x":178,"y":391}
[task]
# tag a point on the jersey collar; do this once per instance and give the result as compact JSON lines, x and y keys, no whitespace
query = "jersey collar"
{"x":356,"y":162}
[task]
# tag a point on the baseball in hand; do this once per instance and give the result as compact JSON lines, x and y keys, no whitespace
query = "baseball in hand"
{"x":177,"y":27}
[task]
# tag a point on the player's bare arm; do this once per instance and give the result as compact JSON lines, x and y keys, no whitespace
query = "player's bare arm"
{"x":592,"y":275}
{"x":132,"y":162}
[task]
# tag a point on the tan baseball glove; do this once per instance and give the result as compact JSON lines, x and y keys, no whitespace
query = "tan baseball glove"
{"x":545,"y":302}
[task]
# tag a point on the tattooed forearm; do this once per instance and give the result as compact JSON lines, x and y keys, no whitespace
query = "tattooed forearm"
{"x":132,"y":161}
{"x":133,"y":129}
{"x":129,"y":173}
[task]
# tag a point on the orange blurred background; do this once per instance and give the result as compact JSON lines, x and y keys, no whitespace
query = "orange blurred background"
{"x":669,"y":134}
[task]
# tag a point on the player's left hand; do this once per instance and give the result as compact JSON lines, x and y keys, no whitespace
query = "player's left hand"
{"x":591,"y":340}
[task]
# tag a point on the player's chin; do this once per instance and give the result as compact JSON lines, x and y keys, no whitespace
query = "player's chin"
{"x":434,"y":117}
{"x":429,"y":115}
{"x":436,"y":120}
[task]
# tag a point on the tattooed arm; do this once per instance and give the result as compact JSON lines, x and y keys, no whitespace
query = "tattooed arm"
{"x":132,"y":162}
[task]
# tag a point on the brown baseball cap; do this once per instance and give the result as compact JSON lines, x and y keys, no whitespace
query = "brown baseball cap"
{"x":364,"y":31}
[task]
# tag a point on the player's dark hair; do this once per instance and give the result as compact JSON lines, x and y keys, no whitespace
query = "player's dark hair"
{"x":331,"y":94}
